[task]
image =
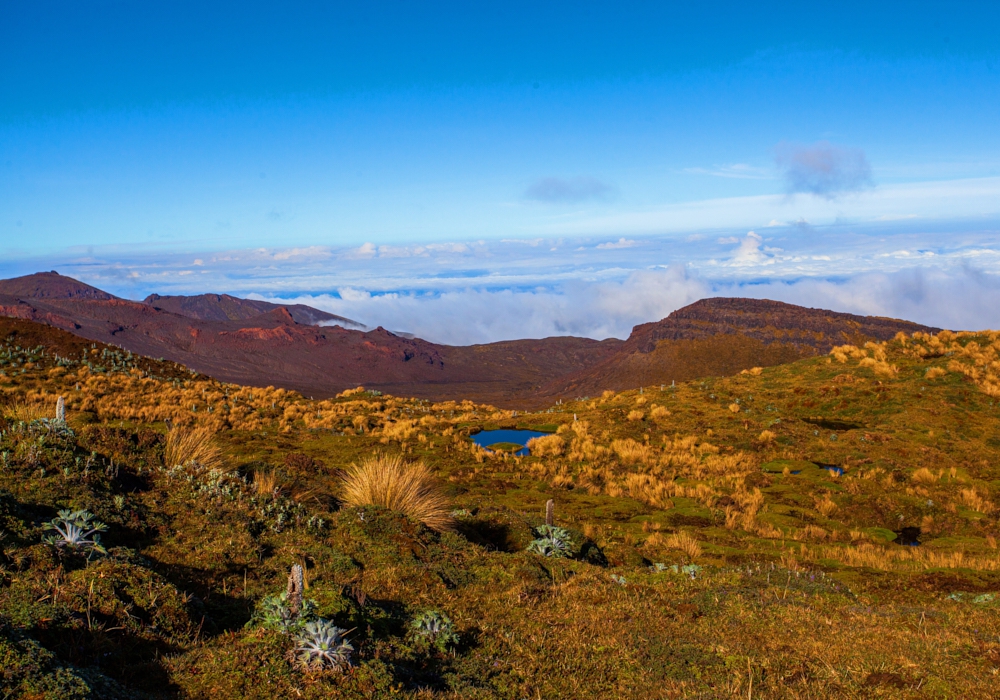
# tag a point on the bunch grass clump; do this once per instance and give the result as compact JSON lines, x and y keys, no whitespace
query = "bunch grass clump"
{"x":187,"y":445}
{"x":265,"y":483}
{"x":405,"y":487}
{"x":24,"y":412}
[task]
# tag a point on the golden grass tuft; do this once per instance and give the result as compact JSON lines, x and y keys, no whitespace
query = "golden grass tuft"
{"x":767,"y":437}
{"x":25,"y":412}
{"x":187,"y":445}
{"x":974,"y":500}
{"x":826,"y":506}
{"x":659,"y":413}
{"x":685,"y":542}
{"x":265,"y":483}
{"x":925,"y":476}
{"x":405,"y":487}
{"x":546,"y":446}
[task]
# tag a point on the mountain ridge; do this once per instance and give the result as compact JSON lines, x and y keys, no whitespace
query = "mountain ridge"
{"x":224,"y":307}
{"x":259,"y":344}
{"x":721,"y":336}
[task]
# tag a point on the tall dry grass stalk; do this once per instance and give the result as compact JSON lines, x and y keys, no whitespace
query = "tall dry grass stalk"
{"x":186,"y":445}
{"x":546,"y":446}
{"x":406,"y":487}
{"x":265,"y":483}
{"x":685,"y":542}
{"x":25,"y":412}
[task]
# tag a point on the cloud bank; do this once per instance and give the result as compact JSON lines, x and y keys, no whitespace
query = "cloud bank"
{"x":480,"y":291}
{"x":468,"y":316}
{"x":958,"y":299}
{"x":823,"y":169}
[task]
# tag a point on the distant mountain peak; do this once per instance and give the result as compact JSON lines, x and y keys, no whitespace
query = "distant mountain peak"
{"x":50,"y":285}
{"x":225,"y":307}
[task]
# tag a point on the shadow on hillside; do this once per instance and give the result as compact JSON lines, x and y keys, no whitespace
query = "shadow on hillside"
{"x":130,"y":659}
{"x":220,"y":612}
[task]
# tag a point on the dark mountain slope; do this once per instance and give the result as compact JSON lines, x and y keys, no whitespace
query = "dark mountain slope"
{"x":223,"y":307}
{"x":274,"y":348}
{"x":722,"y":336}
{"x":260,"y":344}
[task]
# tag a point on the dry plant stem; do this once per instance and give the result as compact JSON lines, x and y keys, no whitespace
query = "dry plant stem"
{"x":296,"y":588}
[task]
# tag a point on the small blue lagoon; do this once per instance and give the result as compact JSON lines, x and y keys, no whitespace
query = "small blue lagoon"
{"x":834,"y":469}
{"x":486,"y":438}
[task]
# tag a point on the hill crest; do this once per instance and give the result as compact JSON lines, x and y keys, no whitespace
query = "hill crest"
{"x":258,"y":343}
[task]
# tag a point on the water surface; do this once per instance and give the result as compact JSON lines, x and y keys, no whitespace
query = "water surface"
{"x":486,"y":438}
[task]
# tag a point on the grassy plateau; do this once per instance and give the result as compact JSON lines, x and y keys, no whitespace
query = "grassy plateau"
{"x":821,"y":529}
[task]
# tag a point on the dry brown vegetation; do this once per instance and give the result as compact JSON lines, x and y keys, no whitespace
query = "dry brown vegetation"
{"x":405,"y":487}
{"x":26,"y":412}
{"x":192,"y":445}
{"x":793,"y":504}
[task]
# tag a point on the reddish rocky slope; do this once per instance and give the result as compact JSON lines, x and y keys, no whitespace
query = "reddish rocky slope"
{"x":273,"y":348}
{"x":723,"y":336}
{"x":222,"y":307}
{"x":261,"y":344}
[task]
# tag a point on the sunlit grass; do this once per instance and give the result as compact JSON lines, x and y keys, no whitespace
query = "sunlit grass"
{"x":406,"y":487}
{"x":187,"y":445}
{"x":26,"y":412}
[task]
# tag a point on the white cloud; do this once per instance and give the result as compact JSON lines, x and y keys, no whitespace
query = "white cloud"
{"x":928,"y":201}
{"x":749,"y":250}
{"x":611,"y":309}
{"x":959,"y":299}
{"x":483,"y":291}
{"x":739,"y":171}
{"x":620,"y":243}
{"x":313,"y":252}
{"x":465,"y":316}
{"x":823,"y":169}
{"x":366,"y":250}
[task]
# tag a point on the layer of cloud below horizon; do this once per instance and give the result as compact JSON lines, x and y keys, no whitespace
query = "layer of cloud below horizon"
{"x":948,"y":298}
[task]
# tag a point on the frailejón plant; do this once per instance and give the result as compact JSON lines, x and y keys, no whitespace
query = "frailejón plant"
{"x":76,"y":531}
{"x":275,"y":613}
{"x":322,"y":645}
{"x":551,"y":542}
{"x":435,"y":628}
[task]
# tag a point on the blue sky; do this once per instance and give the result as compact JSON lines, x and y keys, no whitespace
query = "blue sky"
{"x":138,"y":138}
